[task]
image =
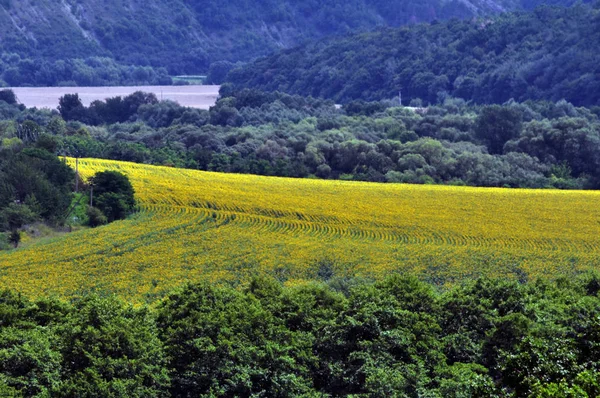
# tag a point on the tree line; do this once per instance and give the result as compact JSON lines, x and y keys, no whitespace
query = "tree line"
{"x":20,"y":70}
{"x":548,"y":54}
{"x":394,"y":338}
{"x":532,"y":144}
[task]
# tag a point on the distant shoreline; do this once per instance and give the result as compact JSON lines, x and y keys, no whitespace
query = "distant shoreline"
{"x":194,"y":96}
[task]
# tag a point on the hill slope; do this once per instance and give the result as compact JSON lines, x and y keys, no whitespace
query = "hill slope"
{"x":187,"y":35}
{"x":551,"y":54}
{"x":225,"y":228}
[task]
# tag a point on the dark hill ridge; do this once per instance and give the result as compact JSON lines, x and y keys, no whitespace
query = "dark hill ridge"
{"x":187,"y":35}
{"x":550,"y":53}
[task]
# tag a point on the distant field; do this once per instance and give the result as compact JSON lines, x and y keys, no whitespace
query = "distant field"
{"x":201,"y":97}
{"x":190,"y":79}
{"x":197,"y":225}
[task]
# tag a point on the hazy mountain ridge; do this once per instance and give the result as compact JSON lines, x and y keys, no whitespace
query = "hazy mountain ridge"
{"x":187,"y":35}
{"x":551,"y":53}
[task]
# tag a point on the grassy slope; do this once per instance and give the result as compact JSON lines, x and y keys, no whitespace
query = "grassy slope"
{"x":197,"y":225}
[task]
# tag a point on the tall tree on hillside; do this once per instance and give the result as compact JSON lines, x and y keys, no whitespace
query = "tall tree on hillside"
{"x":114,"y":194}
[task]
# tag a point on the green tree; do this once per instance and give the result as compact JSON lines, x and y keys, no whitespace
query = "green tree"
{"x":96,"y":217}
{"x":14,"y":216}
{"x":8,"y":96}
{"x":222,"y":342}
{"x":71,"y":107}
{"x":496,"y":125}
{"x":57,"y":126}
{"x":29,"y":361}
{"x":386,"y":343}
{"x":218,"y":72}
{"x":110,"y":349}
{"x":114,"y":194}
{"x":47,"y":143}
{"x":113,"y":206}
{"x":37,"y":179}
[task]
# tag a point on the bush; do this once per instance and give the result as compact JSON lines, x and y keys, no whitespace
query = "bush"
{"x":14,"y":216}
{"x":114,"y":206}
{"x":8,"y":96}
{"x":96,"y":217}
{"x":114,"y":194}
{"x":29,"y":361}
{"x":4,"y":243}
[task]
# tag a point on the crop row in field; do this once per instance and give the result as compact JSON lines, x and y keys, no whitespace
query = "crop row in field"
{"x":226,"y":227}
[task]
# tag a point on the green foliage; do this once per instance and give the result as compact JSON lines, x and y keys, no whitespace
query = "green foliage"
{"x":36,"y":69}
{"x":14,"y":216}
{"x":11,"y":143}
{"x":47,"y":143}
{"x":466,"y":381}
{"x":109,"y":349}
{"x":485,"y":60}
{"x":8,"y":96}
{"x":113,"y":182}
{"x":30,"y":364}
{"x":29,"y":361}
{"x":218,"y":72}
{"x":14,"y":238}
{"x":57,"y":126}
{"x":111,"y":111}
{"x":113,"y":206}
{"x":95,"y":217}
{"x":4,"y":241}
{"x":114,"y":197}
{"x":7,"y":391}
{"x":34,"y":184}
{"x":497,"y":125}
{"x":232,"y":346}
{"x":76,"y":44}
{"x":397,"y":337}
{"x":533,"y":144}
{"x":515,"y":145}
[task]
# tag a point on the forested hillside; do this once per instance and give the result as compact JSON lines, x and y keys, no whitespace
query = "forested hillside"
{"x":186,"y":36}
{"x":550,"y":53}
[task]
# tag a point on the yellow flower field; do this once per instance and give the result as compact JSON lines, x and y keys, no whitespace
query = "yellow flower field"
{"x":195,"y":225}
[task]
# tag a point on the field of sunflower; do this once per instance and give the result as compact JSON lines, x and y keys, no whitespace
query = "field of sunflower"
{"x":195,"y":225}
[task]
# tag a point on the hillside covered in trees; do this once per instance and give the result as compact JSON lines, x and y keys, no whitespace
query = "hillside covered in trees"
{"x":548,"y":54}
{"x":42,"y":41}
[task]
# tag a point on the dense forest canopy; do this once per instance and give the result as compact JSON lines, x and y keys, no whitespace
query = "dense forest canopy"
{"x":397,"y":337}
{"x":187,"y":36}
{"x":91,"y":71}
{"x":548,"y":54}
